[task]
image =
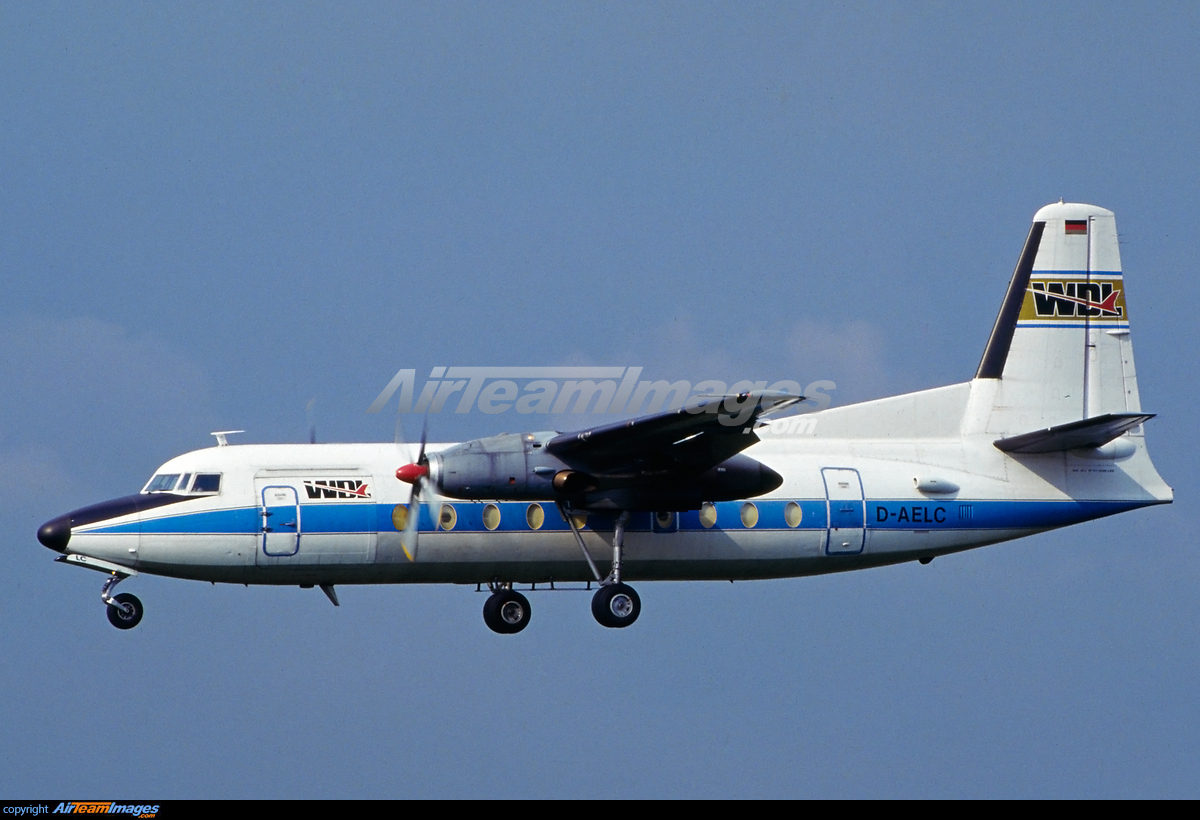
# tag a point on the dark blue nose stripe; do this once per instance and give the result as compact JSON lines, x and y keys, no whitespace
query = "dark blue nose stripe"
{"x":56,"y":533}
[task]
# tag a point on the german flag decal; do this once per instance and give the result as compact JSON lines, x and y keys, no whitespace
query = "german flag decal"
{"x":1076,"y":226}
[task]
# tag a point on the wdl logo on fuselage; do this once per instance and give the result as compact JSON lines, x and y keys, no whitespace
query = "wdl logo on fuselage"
{"x":318,"y":489}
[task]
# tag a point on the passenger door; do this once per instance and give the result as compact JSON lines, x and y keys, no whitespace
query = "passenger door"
{"x":846,"y":510}
{"x":281,"y":526}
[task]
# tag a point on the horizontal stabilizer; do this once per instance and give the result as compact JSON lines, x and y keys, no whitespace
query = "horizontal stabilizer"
{"x":1093,"y":432}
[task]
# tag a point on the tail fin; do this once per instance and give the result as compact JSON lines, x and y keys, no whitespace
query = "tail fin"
{"x":1060,"y":348}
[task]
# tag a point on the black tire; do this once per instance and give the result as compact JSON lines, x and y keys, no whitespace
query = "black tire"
{"x":129,"y":612}
{"x":506,"y":612}
{"x":616,"y":606}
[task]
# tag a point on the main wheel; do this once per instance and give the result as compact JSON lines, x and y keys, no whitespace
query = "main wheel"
{"x":616,"y":606}
{"x":126,"y":611}
{"x":506,"y":612}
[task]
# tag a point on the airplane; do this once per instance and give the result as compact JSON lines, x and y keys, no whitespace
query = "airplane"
{"x":1048,"y":433}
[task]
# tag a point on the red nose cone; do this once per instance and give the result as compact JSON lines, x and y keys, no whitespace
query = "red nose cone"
{"x":409,"y":473}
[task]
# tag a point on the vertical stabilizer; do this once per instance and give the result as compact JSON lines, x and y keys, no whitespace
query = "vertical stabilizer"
{"x":1060,"y":349}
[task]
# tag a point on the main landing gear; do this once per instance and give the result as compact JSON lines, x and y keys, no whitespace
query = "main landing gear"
{"x":615,"y":604}
{"x":506,"y":611}
{"x":124,"y":611}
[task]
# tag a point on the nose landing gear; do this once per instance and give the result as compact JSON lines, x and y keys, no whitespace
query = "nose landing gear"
{"x":125,"y":610}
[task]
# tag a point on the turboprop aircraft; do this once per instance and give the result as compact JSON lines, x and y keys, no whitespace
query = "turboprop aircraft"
{"x":1048,"y":433}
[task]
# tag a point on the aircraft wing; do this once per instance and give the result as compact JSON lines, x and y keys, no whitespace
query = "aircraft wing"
{"x":696,"y":437}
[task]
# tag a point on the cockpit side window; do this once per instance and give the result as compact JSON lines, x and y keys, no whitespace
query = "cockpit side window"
{"x":163,"y":483}
{"x":207,"y":483}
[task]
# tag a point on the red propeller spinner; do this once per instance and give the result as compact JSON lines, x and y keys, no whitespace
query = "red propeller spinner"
{"x":409,"y":473}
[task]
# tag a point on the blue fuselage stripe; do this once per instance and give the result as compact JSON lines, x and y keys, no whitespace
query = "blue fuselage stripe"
{"x":882,"y":514}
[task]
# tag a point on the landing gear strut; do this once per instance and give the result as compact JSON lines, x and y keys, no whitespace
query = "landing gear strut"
{"x":124,"y":611}
{"x":615,"y":604}
{"x":506,"y":611}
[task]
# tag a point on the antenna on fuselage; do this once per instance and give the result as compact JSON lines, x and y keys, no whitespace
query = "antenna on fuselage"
{"x":220,"y":434}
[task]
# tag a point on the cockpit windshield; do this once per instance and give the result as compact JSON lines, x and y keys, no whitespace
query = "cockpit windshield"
{"x":162,"y":483}
{"x":205,"y":484}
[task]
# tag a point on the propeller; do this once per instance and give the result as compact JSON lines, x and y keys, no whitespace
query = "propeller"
{"x":415,"y":473}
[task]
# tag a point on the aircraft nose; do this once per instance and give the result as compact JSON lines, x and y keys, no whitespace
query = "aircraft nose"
{"x":56,"y":533}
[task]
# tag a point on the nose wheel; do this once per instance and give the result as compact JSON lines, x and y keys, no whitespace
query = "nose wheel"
{"x":616,"y":606}
{"x":506,"y":611}
{"x":125,"y":610}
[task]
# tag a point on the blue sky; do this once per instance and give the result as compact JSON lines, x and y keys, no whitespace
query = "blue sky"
{"x":213,"y":214}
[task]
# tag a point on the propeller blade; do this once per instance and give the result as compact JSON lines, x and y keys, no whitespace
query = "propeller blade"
{"x":413,"y":473}
{"x":424,"y":436}
{"x":408,"y":538}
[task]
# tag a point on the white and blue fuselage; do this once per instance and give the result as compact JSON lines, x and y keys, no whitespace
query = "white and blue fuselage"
{"x":845,"y":503}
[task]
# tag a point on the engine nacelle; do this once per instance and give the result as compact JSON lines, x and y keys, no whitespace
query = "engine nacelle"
{"x":737,"y":477}
{"x":517,"y":467}
{"x":497,"y":467}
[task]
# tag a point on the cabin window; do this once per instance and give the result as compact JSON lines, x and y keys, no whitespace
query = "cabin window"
{"x":708,"y":515}
{"x":207,"y":483}
{"x":535,"y":516}
{"x":491,"y":516}
{"x":399,"y":517}
{"x":749,"y":515}
{"x":792,"y":514}
{"x":162,"y":483}
{"x":447,"y":518}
